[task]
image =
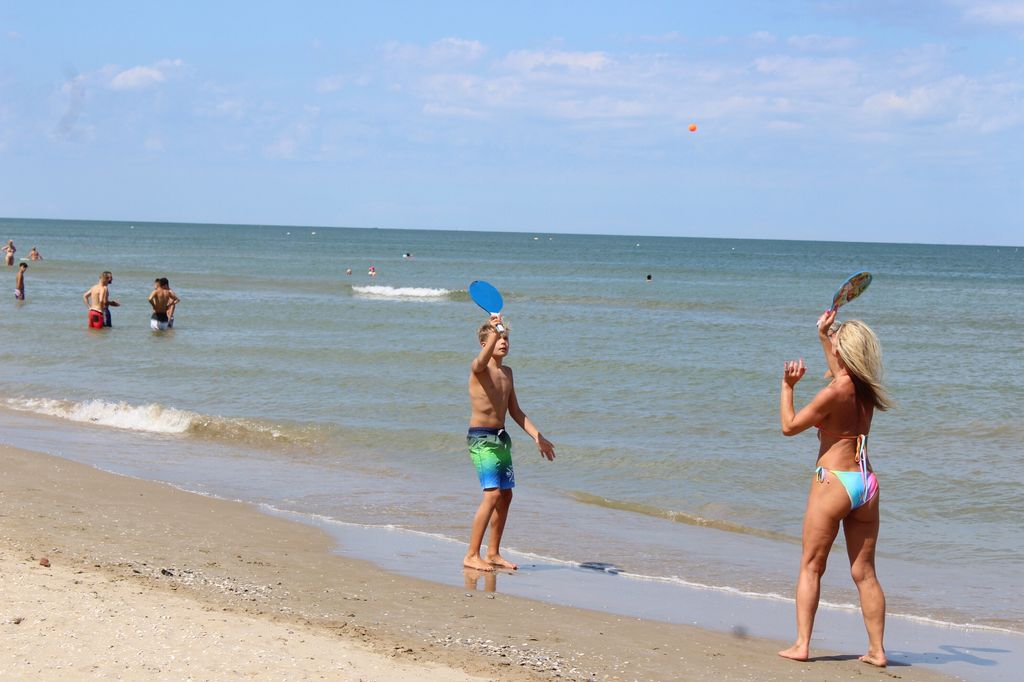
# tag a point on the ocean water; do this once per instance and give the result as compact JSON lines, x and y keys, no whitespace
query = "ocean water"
{"x":289,"y":383}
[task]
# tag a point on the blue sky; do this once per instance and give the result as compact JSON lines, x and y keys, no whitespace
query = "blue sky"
{"x":863,"y":121}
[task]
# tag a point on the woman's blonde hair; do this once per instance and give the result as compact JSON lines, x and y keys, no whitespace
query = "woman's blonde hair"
{"x":862,"y":354}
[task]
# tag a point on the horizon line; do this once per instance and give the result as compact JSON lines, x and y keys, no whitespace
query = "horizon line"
{"x":486,"y":230}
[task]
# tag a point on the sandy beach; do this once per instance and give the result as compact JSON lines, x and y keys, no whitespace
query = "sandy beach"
{"x":145,"y":580}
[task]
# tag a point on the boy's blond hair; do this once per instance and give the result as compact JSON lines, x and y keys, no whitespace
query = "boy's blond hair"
{"x":487,"y":328}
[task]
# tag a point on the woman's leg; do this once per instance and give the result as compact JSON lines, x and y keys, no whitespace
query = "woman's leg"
{"x":827,"y":503}
{"x":861,"y":530}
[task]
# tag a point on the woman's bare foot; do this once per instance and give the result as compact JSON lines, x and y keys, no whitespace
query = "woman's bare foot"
{"x":878,"y":659}
{"x":500,"y":562}
{"x":796,"y":652}
{"x":474,"y":561}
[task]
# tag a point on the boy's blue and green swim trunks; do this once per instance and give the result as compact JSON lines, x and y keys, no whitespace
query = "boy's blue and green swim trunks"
{"x":491,"y":452}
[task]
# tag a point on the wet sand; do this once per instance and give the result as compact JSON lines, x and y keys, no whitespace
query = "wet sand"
{"x":148,"y":580}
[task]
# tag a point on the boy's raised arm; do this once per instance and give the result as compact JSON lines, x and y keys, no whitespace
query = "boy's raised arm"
{"x":479,"y":363}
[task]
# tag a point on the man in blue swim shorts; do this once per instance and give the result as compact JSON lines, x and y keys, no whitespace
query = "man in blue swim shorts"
{"x":492,"y":395}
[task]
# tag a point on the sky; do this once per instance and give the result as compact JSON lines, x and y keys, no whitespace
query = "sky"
{"x":835,"y":120}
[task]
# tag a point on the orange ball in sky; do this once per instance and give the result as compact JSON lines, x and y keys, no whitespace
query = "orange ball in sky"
{"x":693,"y":127}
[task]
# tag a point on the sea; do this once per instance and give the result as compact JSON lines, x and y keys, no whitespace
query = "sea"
{"x":652,"y":363}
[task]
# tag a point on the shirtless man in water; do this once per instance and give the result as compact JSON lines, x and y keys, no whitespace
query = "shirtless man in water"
{"x":163,"y":301}
{"x":97,"y":300}
{"x":492,"y":396}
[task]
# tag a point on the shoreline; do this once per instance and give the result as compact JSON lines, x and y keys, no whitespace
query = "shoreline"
{"x":228,"y":558}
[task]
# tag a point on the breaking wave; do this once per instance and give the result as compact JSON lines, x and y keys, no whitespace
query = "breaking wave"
{"x":403,"y":292}
{"x":160,"y":419}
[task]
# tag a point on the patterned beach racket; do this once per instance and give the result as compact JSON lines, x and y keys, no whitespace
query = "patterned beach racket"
{"x":853,"y":287}
{"x":488,"y":298}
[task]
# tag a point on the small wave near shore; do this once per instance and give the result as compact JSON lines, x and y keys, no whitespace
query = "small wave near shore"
{"x":164,"y":420}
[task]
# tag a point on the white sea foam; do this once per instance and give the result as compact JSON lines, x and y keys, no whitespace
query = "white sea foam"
{"x":156,"y":418}
{"x":152,"y":418}
{"x":401,"y":292}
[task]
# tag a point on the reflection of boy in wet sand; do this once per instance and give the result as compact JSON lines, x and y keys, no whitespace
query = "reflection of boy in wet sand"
{"x":19,"y":282}
{"x":492,"y":395}
{"x":163,"y":301}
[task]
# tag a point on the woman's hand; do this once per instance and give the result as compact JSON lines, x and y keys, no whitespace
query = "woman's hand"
{"x":825,"y":322}
{"x":794,"y":371}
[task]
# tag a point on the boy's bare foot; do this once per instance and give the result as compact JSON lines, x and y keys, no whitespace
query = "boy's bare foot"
{"x":500,"y":562}
{"x":477,"y":563}
{"x":874,"y":659}
{"x":795,"y":653}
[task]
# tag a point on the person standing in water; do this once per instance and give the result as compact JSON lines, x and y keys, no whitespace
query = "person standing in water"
{"x":163,"y":301}
{"x":19,"y":282}
{"x":97,"y":300}
{"x":844,"y":489}
{"x":492,"y":395}
{"x":9,"y":252}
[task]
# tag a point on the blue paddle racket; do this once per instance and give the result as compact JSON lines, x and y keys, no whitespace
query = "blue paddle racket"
{"x":853,"y":287}
{"x":488,"y":298}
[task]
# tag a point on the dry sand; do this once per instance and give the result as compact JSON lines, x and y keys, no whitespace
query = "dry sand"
{"x":147,"y":581}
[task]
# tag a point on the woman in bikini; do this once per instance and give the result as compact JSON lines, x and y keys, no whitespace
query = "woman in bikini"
{"x":843,"y":489}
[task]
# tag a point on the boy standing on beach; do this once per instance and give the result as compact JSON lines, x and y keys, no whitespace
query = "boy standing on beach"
{"x":492,"y":395}
{"x":19,"y":282}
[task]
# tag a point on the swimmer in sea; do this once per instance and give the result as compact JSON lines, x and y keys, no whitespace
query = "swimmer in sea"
{"x":97,"y":299}
{"x":163,"y":300}
{"x":19,"y":282}
{"x":9,"y":252}
{"x":107,"y":322}
{"x":34,"y":254}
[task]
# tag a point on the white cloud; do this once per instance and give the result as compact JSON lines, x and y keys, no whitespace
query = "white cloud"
{"x":137,"y":78}
{"x":154,"y":144}
{"x":934,"y":100}
{"x":457,"y":112}
{"x":530,"y":60}
{"x":995,"y":13}
{"x":142,"y":77}
{"x":444,"y":51}
{"x":823,"y":43}
{"x":330,"y":84}
{"x":458,"y":49}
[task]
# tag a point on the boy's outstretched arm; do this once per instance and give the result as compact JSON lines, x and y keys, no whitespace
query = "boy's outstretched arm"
{"x":546,"y":447}
{"x":479,"y":363}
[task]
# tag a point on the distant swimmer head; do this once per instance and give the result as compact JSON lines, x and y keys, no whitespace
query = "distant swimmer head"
{"x":348,"y":271}
{"x":649,"y":278}
{"x":857,"y":346}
